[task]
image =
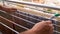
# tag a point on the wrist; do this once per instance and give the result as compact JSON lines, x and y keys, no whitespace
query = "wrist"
{"x":32,"y":31}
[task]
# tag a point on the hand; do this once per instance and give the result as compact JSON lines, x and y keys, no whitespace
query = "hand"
{"x":7,"y":9}
{"x":10,"y":10}
{"x":44,"y":27}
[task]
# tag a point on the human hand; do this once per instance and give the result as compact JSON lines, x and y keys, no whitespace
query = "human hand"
{"x":8,"y":9}
{"x":44,"y":27}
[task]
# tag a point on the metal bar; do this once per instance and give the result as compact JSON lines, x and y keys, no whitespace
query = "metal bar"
{"x":27,"y":20}
{"x":9,"y":28}
{"x":34,"y":23}
{"x":35,"y":18}
{"x":56,"y":25}
{"x":27,"y":16}
{"x":36,"y":4}
{"x":56,"y":31}
{"x":19,"y":18}
{"x":38,"y":20}
{"x":36,"y":9}
{"x":14,"y":23}
{"x":23,"y":19}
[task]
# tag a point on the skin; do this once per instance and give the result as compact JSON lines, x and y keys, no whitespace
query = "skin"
{"x":44,"y":27}
{"x":7,"y":9}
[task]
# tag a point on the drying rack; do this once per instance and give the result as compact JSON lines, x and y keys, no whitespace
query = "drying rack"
{"x":25,"y":20}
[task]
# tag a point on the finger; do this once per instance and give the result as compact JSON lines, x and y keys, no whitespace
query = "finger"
{"x":49,"y":22}
{"x":51,"y":29}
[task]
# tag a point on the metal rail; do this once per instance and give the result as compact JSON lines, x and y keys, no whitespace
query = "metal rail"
{"x":9,"y":28}
{"x":36,"y":4}
{"x":31,"y":4}
{"x":24,"y":20}
{"x":14,"y":23}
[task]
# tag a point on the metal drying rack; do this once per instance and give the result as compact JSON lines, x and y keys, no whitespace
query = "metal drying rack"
{"x":28,"y":18}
